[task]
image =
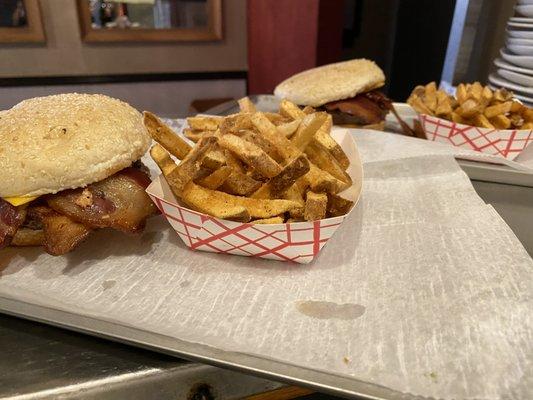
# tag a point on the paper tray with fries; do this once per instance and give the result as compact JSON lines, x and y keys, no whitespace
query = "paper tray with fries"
{"x":268,"y":185}
{"x":299,"y":242}
{"x":477,"y":118}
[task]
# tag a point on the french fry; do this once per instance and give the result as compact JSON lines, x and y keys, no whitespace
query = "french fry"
{"x":430,"y":99}
{"x":517,"y":107}
{"x":277,"y":185}
{"x":457,"y":118}
{"x":246,"y":105}
{"x":322,"y":181}
{"x":269,"y":131}
{"x":527,"y":114}
{"x":290,"y":110}
{"x":503,"y":95}
{"x":482,"y":121}
{"x":165,"y":136}
{"x":324,"y":139}
{"x":476,"y":91}
{"x":238,"y":183}
{"x":500,"y":121}
{"x":271,"y":220}
{"x":516,"y":120}
{"x":289,"y":128}
{"x":419,"y":106}
{"x":214,"y":159}
{"x":205,"y":200}
{"x":194,"y":136}
{"x":216,"y":178}
{"x":502,"y":108}
{"x":307,"y":130}
{"x":461,"y":94}
{"x":444,"y":105}
{"x":308,"y":110}
{"x":188,"y":167}
{"x":204,"y":123}
{"x":167,"y":166}
{"x":527,"y":125}
{"x":469,"y":108}
{"x":235,"y":123}
{"x":264,"y":144}
{"x":251,"y":154}
{"x":276,"y":119}
{"x":315,"y":206}
{"x":486,"y":96}
{"x":325,"y":161}
{"x":338,"y":205}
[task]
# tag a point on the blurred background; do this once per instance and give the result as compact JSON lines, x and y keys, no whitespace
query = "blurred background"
{"x":177,"y":57}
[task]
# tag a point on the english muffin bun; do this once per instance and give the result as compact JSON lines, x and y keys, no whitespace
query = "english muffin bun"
{"x":53,"y":143}
{"x":321,"y":85}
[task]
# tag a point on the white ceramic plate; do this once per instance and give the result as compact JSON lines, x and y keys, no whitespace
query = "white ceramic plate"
{"x":516,"y":33}
{"x":520,"y":41}
{"x":510,"y":67}
{"x":521,"y":61}
{"x":520,"y":50}
{"x":498,"y":81}
{"x":521,"y":20}
{"x":524,"y":25}
{"x":515,"y":77}
{"x":525,"y":10}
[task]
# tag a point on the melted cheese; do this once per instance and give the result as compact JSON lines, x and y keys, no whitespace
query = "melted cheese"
{"x":18,"y":201}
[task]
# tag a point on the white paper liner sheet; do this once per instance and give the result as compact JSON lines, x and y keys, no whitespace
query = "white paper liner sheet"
{"x":423,"y":289}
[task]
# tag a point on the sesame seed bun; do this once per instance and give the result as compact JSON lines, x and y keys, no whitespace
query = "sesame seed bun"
{"x":318,"y":86}
{"x":53,"y":143}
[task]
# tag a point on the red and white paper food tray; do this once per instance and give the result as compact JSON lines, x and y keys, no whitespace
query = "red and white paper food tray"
{"x":506,"y":143}
{"x":299,"y":242}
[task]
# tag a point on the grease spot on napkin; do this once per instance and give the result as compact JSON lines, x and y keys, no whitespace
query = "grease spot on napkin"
{"x":330,"y":310}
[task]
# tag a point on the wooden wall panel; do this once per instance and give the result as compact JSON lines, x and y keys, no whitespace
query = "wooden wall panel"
{"x":282,"y":40}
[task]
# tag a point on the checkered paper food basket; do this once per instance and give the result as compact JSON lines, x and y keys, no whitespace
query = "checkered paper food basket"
{"x":298,"y":242}
{"x":503,"y":143}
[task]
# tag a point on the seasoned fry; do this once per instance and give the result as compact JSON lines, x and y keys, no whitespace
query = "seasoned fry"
{"x":201,"y":199}
{"x":204,"y":123}
{"x":307,"y":130}
{"x":240,"y":184}
{"x":444,"y":105}
{"x":277,"y":185}
{"x":165,"y":136}
{"x":315,"y":206}
{"x":325,"y":161}
{"x":246,"y":106}
{"x":245,"y":168}
{"x":194,"y":136}
{"x":338,"y":205}
{"x":527,"y":125}
{"x":290,"y":110}
{"x":216,"y":178}
{"x":430,"y":100}
{"x":516,"y":120}
{"x":251,"y":154}
{"x":289,"y":128}
{"x":461,"y":93}
{"x":419,"y":106}
{"x":469,"y":108}
{"x":482,"y":121}
{"x":271,"y":220}
{"x":502,"y":108}
{"x":501,"y":122}
{"x":264,"y":144}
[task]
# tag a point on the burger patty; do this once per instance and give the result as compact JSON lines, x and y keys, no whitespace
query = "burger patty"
{"x":364,"y":109}
{"x":65,"y":219}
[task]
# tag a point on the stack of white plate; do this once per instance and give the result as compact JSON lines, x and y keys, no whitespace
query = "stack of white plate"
{"x":515,"y":64}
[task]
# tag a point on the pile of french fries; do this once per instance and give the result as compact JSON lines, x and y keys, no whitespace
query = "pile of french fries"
{"x":264,"y":168}
{"x":473,"y":105}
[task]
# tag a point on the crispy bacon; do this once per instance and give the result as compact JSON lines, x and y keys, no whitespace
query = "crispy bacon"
{"x":365,"y":109}
{"x":118,"y":202}
{"x":11,"y":218}
{"x":60,"y":233}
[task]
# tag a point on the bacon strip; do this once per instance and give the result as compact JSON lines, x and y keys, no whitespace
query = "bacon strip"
{"x":11,"y":218}
{"x":118,"y":202}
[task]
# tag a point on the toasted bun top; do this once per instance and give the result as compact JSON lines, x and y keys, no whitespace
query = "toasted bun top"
{"x":52,"y":143}
{"x":321,"y":85}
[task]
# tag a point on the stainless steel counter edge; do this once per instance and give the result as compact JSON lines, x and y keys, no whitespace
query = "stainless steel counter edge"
{"x":271,"y":369}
